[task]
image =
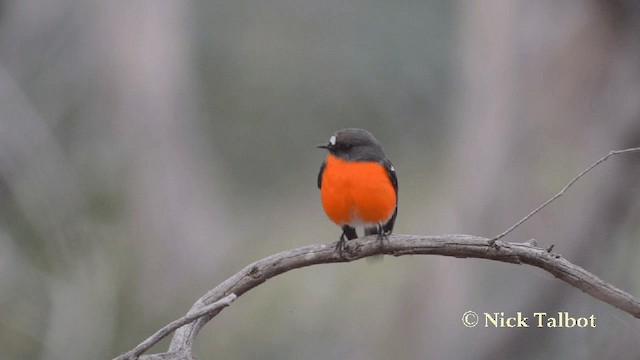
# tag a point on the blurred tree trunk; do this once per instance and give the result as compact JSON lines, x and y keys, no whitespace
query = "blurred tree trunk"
{"x":532,"y":66}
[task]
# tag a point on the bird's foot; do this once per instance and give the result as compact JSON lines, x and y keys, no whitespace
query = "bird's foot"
{"x":382,"y":235}
{"x":340,"y":244}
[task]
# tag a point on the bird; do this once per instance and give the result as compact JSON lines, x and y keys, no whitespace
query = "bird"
{"x":358,"y":186}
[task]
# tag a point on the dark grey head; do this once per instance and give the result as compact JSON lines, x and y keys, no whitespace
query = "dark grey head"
{"x":354,"y":145}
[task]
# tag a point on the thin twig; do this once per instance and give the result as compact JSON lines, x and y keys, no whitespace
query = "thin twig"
{"x":172,"y":326}
{"x":612,"y":153}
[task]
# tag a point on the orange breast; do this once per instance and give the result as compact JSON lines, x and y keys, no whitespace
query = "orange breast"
{"x":356,"y":193}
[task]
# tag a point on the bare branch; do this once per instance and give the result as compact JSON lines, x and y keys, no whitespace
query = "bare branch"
{"x":172,"y":326}
{"x":460,"y":246}
{"x":604,"y":158}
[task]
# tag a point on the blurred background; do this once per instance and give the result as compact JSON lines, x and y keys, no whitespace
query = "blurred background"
{"x":151,"y":149}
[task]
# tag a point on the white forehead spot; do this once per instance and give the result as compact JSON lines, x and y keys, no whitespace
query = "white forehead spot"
{"x":332,"y":140}
{"x":392,"y":168}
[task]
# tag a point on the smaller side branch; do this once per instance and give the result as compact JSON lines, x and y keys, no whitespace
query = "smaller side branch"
{"x":565,"y":188}
{"x":172,"y":326}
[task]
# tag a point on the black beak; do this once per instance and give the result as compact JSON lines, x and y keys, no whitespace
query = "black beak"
{"x":324,"y":146}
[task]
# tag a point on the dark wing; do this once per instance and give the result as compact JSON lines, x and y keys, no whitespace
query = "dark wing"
{"x":391,"y":171}
{"x":324,"y":163}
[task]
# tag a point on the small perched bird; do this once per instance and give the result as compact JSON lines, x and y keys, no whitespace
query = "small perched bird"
{"x":358,"y":185}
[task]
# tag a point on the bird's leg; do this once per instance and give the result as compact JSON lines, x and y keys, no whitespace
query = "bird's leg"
{"x":381,"y":235}
{"x":348,"y":233}
{"x":340,"y":244}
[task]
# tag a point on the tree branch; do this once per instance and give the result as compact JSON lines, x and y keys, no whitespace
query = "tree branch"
{"x":565,"y":188}
{"x":172,"y":326}
{"x":460,"y":246}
